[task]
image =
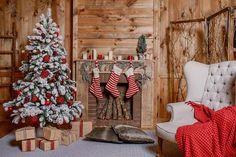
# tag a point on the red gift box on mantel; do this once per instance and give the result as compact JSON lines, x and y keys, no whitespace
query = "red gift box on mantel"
{"x":28,"y":145}
{"x":130,"y":57}
{"x":100,"y":56}
{"x":81,"y":128}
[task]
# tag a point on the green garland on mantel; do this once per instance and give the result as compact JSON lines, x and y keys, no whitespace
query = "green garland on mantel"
{"x":87,"y":65}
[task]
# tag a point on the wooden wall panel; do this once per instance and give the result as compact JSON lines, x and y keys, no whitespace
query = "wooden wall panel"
{"x":112,"y":25}
{"x":171,"y":10}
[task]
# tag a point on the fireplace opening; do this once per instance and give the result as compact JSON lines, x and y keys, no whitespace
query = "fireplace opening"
{"x":110,"y":110}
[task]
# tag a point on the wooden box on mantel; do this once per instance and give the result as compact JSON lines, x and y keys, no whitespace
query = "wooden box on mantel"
{"x":146,"y":94}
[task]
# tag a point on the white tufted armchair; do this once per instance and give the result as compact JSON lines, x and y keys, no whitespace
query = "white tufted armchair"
{"x":212,"y":85}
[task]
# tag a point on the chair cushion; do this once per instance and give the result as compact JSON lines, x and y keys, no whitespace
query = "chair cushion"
{"x":219,"y":90}
{"x":196,"y":75}
{"x":167,"y":130}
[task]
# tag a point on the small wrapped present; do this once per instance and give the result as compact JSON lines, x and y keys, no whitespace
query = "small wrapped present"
{"x":49,"y":145}
{"x":81,"y":128}
{"x":28,"y":145}
{"x":37,"y":142}
{"x":25,"y":133}
{"x":68,"y":137}
{"x":51,"y":133}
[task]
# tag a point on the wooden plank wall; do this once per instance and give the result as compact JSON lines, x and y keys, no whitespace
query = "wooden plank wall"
{"x":112,"y":25}
{"x":26,"y":16}
{"x":171,"y":10}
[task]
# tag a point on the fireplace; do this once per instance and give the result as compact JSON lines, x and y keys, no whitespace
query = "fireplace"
{"x":129,"y":112}
{"x":140,"y":107}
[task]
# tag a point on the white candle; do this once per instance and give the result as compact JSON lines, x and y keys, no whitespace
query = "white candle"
{"x":95,"y":56}
{"x":85,"y":55}
{"x":110,"y":54}
{"x":119,"y":58}
{"x":135,"y":58}
{"x":106,"y":57}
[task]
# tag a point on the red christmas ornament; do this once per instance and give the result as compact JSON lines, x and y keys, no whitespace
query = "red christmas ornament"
{"x":56,"y":34}
{"x":44,"y":74}
{"x":46,"y":58}
{"x":18,"y":92}
{"x":34,"y":98}
{"x":70,"y":102}
{"x":10,"y":109}
{"x":63,"y":60}
{"x":60,"y":99}
{"x":55,"y":53}
{"x":34,"y":120}
{"x":47,"y":102}
{"x":48,"y":95}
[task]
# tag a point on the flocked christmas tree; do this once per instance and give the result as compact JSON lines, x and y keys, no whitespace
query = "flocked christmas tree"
{"x":46,"y":94}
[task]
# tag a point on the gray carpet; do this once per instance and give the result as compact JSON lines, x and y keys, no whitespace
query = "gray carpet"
{"x":81,"y":148}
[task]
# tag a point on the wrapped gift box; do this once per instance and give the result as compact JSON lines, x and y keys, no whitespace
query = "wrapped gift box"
{"x":68,"y":137}
{"x":37,"y":142}
{"x":51,"y":133}
{"x":25,"y":133}
{"x":46,"y":145}
{"x":81,"y":128}
{"x":28,"y":145}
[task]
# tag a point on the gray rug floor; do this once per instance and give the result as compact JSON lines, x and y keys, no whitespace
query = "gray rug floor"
{"x":81,"y":148}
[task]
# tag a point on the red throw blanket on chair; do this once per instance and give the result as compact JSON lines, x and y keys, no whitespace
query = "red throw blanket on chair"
{"x":214,"y":135}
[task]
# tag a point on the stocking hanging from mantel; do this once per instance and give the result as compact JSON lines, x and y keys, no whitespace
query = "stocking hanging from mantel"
{"x":95,"y":87}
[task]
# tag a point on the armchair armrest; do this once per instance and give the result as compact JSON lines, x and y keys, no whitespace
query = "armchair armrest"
{"x":181,"y":113}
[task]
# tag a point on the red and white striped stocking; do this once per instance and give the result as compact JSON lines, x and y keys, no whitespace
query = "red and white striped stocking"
{"x":95,"y":87}
{"x":133,"y":88}
{"x":113,"y":80}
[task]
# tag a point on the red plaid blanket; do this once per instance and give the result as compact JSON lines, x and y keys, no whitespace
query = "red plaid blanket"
{"x":213,"y":136}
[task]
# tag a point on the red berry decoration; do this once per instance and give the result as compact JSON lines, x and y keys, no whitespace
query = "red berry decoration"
{"x":48,"y":95}
{"x":70,"y":102}
{"x":27,"y":99}
{"x":60,"y":100}
{"x":55,"y":53}
{"x":34,"y":98}
{"x":63,"y":60}
{"x":34,"y":121}
{"x":47,"y":102}
{"x":10,"y":109}
{"x":46,"y":59}
{"x":43,"y":35}
{"x":44,"y":74}
{"x":56,"y":34}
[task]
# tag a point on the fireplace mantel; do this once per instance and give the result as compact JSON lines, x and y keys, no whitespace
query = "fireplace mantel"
{"x":146,"y":94}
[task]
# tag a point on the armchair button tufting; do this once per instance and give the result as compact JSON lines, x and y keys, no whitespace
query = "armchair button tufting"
{"x":218,"y":66}
{"x":221,"y":74}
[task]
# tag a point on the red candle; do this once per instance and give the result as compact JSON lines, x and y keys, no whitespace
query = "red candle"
{"x":130,"y":57}
{"x":90,"y":56}
{"x":100,"y":56}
